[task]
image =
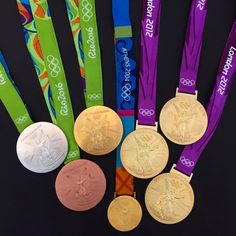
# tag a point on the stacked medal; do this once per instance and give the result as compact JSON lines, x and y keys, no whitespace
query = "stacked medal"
{"x":132,"y":131}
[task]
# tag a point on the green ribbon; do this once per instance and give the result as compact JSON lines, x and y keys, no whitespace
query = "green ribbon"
{"x":56,"y":74}
{"x":92,"y":57}
{"x":11,"y":99}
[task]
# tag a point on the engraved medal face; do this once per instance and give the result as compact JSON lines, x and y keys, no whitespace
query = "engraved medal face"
{"x":80,"y":185}
{"x":144,"y":153}
{"x":169,"y":198}
{"x":98,"y":130}
{"x":183,"y":120}
{"x":42,"y":147}
{"x":124,"y":213}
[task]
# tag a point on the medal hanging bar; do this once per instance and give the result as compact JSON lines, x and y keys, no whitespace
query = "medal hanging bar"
{"x":183,"y":119}
{"x":144,"y":152}
{"x":42,"y":146}
{"x":126,"y":87}
{"x":56,"y":73}
{"x":98,"y":129}
{"x":34,"y":48}
{"x":176,"y":184}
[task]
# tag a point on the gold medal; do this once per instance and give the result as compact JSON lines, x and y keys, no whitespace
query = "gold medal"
{"x":124,"y":213}
{"x":144,"y":153}
{"x":169,"y":198}
{"x":183,"y":120}
{"x":98,"y":130}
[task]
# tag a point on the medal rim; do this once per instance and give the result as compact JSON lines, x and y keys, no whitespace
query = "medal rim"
{"x":147,"y":204}
{"x":138,"y":208}
{"x":162,"y":112}
{"x":120,"y":131}
{"x":133,"y":173}
{"x":103,"y":190}
{"x":62,"y":134}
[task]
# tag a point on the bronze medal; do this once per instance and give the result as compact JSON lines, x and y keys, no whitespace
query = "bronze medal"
{"x":124,"y":213}
{"x":183,"y":120}
{"x":169,"y":198}
{"x":80,"y":185}
{"x":98,"y":130}
{"x":144,"y":153}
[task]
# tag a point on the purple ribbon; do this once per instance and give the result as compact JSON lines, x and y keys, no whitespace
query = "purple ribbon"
{"x":227,"y":70}
{"x":192,"y":47}
{"x":148,"y":63}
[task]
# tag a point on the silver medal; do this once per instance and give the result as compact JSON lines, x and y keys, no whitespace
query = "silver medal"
{"x":42,"y":147}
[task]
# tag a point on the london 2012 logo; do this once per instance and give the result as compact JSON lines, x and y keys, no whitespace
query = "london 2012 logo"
{"x":87,"y":13}
{"x":54,"y":66}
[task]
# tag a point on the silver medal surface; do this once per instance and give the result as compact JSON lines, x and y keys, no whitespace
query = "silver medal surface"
{"x":42,"y":147}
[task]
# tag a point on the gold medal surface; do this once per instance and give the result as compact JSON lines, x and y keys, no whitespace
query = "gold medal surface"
{"x":169,"y":198}
{"x":144,"y":153}
{"x":124,"y":213}
{"x":98,"y":130}
{"x":183,"y":120}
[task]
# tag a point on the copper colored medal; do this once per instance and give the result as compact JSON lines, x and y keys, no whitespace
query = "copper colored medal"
{"x":80,"y":185}
{"x":98,"y":130}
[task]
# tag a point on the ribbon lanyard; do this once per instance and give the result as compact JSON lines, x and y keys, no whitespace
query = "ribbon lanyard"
{"x":192,"y":153}
{"x":56,"y":74}
{"x":148,"y":64}
{"x":33,"y":45}
{"x":92,"y":58}
{"x":72,"y":7}
{"x":126,"y":85}
{"x":11,"y":98}
{"x":192,"y":47}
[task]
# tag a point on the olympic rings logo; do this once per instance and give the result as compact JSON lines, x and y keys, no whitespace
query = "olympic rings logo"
{"x":187,"y":82}
{"x":126,"y":92}
{"x":53,"y":66}
{"x":94,"y":97}
{"x":22,"y":119}
{"x":87,"y":13}
{"x":186,"y":162}
{"x":73,"y":154}
{"x":146,"y":112}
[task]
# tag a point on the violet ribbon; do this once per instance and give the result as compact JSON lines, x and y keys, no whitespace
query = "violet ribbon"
{"x":225,"y":76}
{"x":148,"y":63}
{"x":192,"y":47}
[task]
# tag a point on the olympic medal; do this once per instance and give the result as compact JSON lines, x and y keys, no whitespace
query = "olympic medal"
{"x":98,"y":130}
{"x":169,"y":198}
{"x":183,"y":120}
{"x":124,"y":213}
{"x":42,"y":147}
{"x":80,"y":185}
{"x":144,"y":153}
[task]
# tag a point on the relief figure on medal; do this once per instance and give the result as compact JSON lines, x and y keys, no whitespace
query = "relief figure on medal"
{"x":144,"y":153}
{"x":101,"y":133}
{"x":183,"y":115}
{"x":45,"y":151}
{"x":80,"y":181}
{"x":170,"y":204}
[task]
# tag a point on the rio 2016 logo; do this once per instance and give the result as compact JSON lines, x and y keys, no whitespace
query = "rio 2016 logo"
{"x":87,"y":13}
{"x":53,"y":66}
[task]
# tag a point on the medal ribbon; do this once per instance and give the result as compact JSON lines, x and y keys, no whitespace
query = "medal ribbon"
{"x":125,"y":85}
{"x":56,"y":74}
{"x":72,"y":7}
{"x":11,"y":98}
{"x":227,"y":70}
{"x":192,"y":47}
{"x":92,"y":57}
{"x":34,"y":48}
{"x":148,"y":64}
